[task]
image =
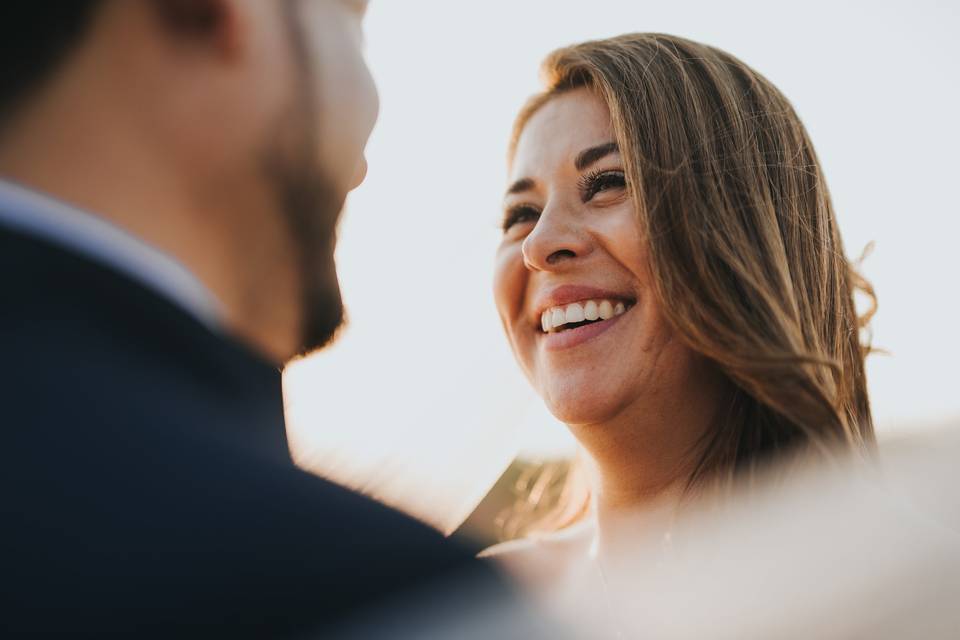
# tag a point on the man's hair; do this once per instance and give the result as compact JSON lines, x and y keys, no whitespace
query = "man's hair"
{"x":35,"y":39}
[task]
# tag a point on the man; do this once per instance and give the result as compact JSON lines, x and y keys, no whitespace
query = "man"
{"x":173,"y":171}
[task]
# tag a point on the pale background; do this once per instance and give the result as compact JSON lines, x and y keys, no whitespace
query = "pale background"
{"x":420,"y":402}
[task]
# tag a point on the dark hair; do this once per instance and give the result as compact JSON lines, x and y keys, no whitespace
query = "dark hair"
{"x":35,"y":39}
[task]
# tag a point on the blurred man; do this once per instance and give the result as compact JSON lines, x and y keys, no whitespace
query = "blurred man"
{"x":173,"y":171}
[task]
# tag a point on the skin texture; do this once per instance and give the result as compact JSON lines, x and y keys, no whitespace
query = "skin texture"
{"x":226,"y":133}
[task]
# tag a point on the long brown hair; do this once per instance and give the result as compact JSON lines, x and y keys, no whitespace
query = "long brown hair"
{"x":746,"y":255}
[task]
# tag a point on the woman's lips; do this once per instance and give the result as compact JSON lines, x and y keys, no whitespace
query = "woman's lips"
{"x":564,"y":295}
{"x":570,"y":338}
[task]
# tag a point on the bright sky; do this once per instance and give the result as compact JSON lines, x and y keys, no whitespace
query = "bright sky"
{"x":421,"y":396}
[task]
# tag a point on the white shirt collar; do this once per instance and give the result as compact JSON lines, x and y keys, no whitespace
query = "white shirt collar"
{"x":75,"y":230}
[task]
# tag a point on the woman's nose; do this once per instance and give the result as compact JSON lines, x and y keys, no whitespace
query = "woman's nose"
{"x":555,"y":241}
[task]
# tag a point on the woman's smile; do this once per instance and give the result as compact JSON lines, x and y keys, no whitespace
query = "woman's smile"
{"x":573,"y":314}
{"x":575,"y":334}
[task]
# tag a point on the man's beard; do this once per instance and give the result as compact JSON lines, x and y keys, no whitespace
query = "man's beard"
{"x":307,"y":199}
{"x":310,"y":207}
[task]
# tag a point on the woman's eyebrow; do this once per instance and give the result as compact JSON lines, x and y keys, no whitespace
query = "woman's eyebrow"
{"x":521,"y":185}
{"x":588,"y":156}
{"x":583,"y":160}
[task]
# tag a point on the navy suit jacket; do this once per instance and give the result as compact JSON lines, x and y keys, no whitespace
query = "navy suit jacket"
{"x":146,"y":482}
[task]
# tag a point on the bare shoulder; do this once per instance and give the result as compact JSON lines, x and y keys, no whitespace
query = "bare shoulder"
{"x":544,"y":559}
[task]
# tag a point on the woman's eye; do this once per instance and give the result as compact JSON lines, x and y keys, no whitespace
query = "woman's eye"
{"x":594,"y":183}
{"x":518,"y":215}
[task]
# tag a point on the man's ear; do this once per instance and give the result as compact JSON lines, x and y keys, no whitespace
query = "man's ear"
{"x":214,"y":23}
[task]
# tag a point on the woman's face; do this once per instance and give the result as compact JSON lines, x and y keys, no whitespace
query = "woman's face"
{"x":572,"y":284}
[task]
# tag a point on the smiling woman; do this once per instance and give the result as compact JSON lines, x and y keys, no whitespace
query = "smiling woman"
{"x":672,"y":280}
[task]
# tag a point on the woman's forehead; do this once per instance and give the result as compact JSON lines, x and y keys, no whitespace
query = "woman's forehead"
{"x":559,"y":130}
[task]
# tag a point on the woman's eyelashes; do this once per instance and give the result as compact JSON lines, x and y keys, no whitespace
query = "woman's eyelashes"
{"x":597,"y":182}
{"x":518,"y":214}
{"x":590,"y":185}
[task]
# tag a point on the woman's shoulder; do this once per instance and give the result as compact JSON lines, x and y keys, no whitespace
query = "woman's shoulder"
{"x":544,"y":558}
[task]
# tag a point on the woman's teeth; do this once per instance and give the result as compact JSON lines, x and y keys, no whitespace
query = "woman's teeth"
{"x":555,"y":318}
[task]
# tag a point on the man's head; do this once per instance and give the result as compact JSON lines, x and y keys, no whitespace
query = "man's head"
{"x":227,"y":132}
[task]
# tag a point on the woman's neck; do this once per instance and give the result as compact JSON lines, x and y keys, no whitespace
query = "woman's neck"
{"x":636,"y":459}
{"x":634,"y":504}
{"x":642,"y":461}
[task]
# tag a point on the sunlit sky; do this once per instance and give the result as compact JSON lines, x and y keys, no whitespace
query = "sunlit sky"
{"x":421,"y":395}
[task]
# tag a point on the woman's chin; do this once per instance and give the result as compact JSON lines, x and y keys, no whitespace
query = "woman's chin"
{"x":581,"y":409}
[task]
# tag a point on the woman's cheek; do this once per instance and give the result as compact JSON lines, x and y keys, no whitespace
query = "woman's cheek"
{"x":620,"y":233}
{"x":508,"y":283}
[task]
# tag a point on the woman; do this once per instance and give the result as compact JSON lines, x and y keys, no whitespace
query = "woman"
{"x":673,"y":283}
